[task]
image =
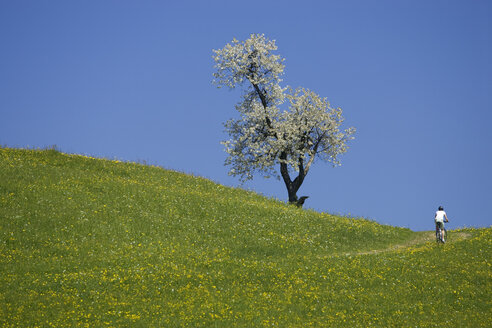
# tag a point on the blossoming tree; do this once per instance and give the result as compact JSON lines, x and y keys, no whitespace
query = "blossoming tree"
{"x":268,"y":136}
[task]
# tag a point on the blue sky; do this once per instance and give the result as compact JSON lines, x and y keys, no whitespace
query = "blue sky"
{"x":131,"y":80}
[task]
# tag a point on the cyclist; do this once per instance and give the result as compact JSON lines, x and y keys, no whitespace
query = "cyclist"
{"x":440,"y":218}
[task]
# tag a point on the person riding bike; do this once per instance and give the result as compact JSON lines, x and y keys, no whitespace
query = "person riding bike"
{"x":440,"y":218}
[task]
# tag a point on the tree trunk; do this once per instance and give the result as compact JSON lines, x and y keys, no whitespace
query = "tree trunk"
{"x":293,"y":186}
{"x":292,"y":193}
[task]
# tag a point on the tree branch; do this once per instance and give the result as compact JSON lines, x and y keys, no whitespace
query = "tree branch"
{"x":314,"y":152}
{"x":284,"y":171}
{"x":261,"y":95}
{"x":300,"y":177}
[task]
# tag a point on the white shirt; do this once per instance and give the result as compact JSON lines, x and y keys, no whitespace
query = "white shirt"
{"x":440,"y":215}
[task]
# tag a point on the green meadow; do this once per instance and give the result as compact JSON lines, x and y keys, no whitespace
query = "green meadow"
{"x":88,"y":242}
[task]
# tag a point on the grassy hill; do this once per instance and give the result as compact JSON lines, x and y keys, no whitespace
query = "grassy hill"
{"x":86,"y":242}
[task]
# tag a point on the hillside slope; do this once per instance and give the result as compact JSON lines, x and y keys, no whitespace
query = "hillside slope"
{"x":91,"y":242}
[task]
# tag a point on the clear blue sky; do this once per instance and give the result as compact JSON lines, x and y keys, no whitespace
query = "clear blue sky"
{"x":131,"y":80}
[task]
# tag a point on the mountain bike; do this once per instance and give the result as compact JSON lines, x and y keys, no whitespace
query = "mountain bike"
{"x":441,"y":235}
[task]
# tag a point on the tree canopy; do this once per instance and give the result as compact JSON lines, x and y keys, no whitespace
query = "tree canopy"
{"x":278,"y":127}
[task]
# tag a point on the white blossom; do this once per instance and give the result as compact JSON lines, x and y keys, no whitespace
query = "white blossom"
{"x":277,"y":126}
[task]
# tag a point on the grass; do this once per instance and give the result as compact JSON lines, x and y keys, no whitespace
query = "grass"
{"x":86,"y":242}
